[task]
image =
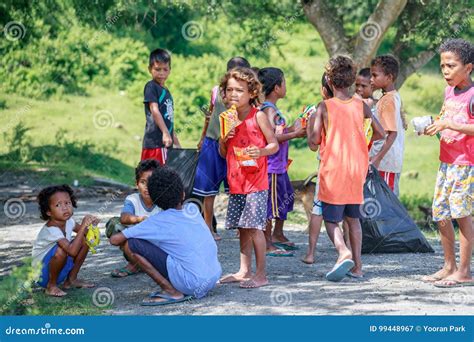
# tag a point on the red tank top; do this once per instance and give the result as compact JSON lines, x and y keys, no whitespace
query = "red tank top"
{"x":246,"y":179}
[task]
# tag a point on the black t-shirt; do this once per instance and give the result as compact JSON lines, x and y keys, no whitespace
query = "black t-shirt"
{"x":153,"y":92}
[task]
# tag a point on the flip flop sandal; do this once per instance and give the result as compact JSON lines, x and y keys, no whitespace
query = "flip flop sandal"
{"x":280,"y":253}
{"x":168,"y":299}
{"x":355,"y":276}
{"x":456,"y":284}
{"x":432,"y":279}
{"x":340,"y":270}
{"x":117,"y":272}
{"x":286,"y":246}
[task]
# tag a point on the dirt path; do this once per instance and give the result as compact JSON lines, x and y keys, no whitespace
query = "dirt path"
{"x":391,"y":286}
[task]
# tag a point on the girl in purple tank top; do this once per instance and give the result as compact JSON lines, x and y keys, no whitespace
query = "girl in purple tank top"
{"x":280,"y":194}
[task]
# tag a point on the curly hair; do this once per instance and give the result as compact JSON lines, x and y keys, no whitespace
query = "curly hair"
{"x":341,"y":71}
{"x":145,"y":165}
{"x":249,"y":76}
{"x":462,"y":48}
{"x":388,"y":64}
{"x":45,"y":195}
{"x":165,"y":188}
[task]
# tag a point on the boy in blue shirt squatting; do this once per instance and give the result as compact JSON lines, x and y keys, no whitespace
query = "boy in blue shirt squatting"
{"x":174,"y":247}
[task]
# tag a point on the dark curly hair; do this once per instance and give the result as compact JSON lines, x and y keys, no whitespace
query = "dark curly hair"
{"x":165,"y":188}
{"x":365,"y":73}
{"x":270,"y":78}
{"x":341,"y":71}
{"x":45,"y":195}
{"x":145,"y":165}
{"x":388,"y":64}
{"x":249,"y":76}
{"x":462,"y":48}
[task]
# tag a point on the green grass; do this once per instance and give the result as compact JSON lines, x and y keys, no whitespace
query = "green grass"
{"x":61,"y":127}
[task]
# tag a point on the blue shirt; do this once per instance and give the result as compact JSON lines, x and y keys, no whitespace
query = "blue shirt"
{"x":192,"y":264}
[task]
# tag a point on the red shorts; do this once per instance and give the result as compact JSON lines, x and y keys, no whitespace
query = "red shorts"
{"x":389,"y":178}
{"x":155,"y":153}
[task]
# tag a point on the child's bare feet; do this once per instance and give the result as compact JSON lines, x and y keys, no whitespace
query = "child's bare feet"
{"x":437,"y":276}
{"x":235,"y":278}
{"x":345,"y":256}
{"x":78,"y":284}
{"x":55,"y":291}
{"x":308,"y":259}
{"x":254,"y":282}
{"x":455,"y":279}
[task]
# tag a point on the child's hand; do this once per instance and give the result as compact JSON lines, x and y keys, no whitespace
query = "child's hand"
{"x":375,"y":161}
{"x":167,"y":141}
{"x":88,"y":220}
{"x":141,"y":218}
{"x":229,"y":135}
{"x":300,"y":132}
{"x":437,"y":126}
{"x":254,"y":152}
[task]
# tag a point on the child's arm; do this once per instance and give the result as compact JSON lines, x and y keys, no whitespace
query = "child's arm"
{"x":128,"y":219}
{"x":292,"y":131}
{"x":391,"y":136}
{"x":158,"y":118}
{"x":440,"y":125}
{"x":378,"y":131}
{"x":223,"y":142}
{"x":267,"y":130}
{"x":176,"y":144}
{"x":117,"y":239}
{"x":207,"y":118}
{"x":315,"y":127}
{"x":72,"y":248}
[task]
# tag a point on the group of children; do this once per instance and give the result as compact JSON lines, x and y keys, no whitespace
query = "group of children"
{"x":179,"y":251}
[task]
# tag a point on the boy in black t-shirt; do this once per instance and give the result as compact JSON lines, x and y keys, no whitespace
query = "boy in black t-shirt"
{"x":159,"y":129}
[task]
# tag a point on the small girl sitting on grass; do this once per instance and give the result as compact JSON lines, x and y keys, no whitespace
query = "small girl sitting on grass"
{"x":245,"y":149}
{"x":61,"y":255}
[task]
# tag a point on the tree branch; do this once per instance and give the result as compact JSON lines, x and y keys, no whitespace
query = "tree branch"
{"x":368,"y":39}
{"x":413,"y":64}
{"x":330,"y":29}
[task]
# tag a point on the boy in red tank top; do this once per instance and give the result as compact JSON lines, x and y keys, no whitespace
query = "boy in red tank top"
{"x":245,"y":149}
{"x":338,"y":129}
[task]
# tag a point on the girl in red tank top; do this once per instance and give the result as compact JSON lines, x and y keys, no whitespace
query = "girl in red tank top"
{"x":245,"y":149}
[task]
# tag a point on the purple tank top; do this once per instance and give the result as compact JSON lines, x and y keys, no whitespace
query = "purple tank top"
{"x":278,"y":162}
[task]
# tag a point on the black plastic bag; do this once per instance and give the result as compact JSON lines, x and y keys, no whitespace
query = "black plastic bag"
{"x":184,"y":162}
{"x":386,"y":224}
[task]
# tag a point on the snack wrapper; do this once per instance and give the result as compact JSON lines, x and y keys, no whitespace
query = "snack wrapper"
{"x":93,"y":238}
{"x":228,"y":120}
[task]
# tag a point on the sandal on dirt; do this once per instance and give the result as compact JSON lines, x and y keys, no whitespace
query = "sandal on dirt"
{"x":168,"y":299}
{"x":279,"y":253}
{"x":118,"y":273}
{"x":288,"y":246}
{"x":454,"y":283}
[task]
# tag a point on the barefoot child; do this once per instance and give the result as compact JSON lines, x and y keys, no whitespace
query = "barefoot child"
{"x":387,"y":155}
{"x":317,"y":215}
{"x":61,"y":255}
{"x":137,"y":208}
{"x":281,"y":193}
{"x":453,"y":197}
{"x":338,"y":128}
{"x":174,"y":247}
{"x":211,"y":169}
{"x":252,"y":139}
{"x":159,"y":130}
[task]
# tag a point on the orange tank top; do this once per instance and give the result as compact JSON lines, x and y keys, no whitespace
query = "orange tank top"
{"x":344,"y":155}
